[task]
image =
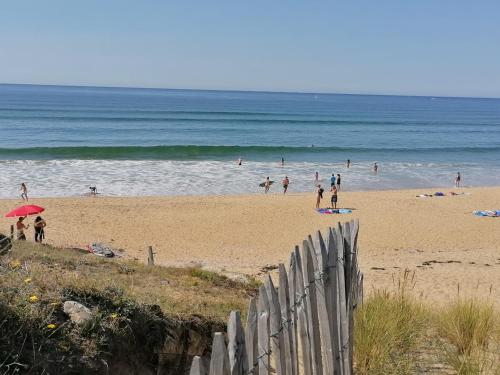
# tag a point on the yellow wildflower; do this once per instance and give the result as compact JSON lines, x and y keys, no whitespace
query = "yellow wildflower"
{"x":28,"y":280}
{"x":51,"y":326}
{"x":114,"y":315}
{"x":15,"y":264}
{"x":33,"y":299}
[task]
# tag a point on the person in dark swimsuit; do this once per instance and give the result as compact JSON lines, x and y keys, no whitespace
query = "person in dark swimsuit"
{"x":334,"y":197}
{"x":39,"y":231}
{"x":338,"y":181}
{"x":286,"y":182}
{"x":319,"y":196}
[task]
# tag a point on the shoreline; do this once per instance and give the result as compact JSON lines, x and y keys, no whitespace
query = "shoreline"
{"x":438,"y":238}
{"x":446,"y":190}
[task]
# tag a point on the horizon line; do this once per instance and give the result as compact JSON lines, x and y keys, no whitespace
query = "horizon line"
{"x":242,"y":90}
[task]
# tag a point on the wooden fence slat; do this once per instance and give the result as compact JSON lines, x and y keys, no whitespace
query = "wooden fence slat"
{"x":292,"y":285}
{"x":238,"y":362}
{"x":286,"y":320}
{"x":197,"y":367}
{"x":251,"y":336}
{"x":344,"y":322}
{"x":312,"y":308}
{"x":277,"y":344}
{"x":219,"y":361}
{"x":303,"y":327}
{"x":322,"y":287}
{"x":333,"y":299}
{"x":263,"y":332}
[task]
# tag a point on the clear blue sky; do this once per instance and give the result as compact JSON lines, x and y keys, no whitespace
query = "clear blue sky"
{"x":421,"y":47}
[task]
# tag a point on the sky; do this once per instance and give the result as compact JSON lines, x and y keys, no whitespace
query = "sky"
{"x":424,"y":47}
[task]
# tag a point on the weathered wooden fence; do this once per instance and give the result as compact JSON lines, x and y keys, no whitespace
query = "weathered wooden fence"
{"x":305,"y":326}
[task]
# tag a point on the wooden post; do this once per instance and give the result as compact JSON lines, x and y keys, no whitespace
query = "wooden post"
{"x":11,"y":232}
{"x":151,"y":258}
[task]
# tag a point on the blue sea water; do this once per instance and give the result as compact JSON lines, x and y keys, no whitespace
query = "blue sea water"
{"x":60,"y":140}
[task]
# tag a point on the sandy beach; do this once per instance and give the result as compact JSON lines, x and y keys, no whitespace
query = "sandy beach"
{"x":438,"y":237}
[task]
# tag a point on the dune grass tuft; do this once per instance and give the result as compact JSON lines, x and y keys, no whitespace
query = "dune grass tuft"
{"x":389,"y":328}
{"x":468,"y":329}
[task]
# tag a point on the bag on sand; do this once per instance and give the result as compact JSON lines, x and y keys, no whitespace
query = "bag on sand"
{"x":101,"y":250}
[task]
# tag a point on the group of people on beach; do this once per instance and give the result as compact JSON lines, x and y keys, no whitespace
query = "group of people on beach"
{"x":334,"y":189}
{"x":39,"y":225}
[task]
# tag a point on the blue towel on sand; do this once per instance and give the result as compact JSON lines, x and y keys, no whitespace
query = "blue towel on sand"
{"x":490,"y":213}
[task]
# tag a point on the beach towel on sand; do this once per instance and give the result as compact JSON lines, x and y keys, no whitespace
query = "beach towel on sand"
{"x":489,"y":213}
{"x":330,"y":211}
{"x":101,"y":250}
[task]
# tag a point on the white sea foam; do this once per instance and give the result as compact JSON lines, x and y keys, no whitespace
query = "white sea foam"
{"x":143,"y":177}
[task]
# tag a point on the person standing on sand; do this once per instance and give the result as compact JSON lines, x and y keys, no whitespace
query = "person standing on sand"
{"x":332,"y":181}
{"x":458,"y":178}
{"x":338,"y":181}
{"x":267,"y":185}
{"x":286,"y":182}
{"x":20,"y":229}
{"x":348,"y":163}
{"x":24,"y":192}
{"x":39,"y":232}
{"x":334,"y":197}
{"x":375,"y":168}
{"x":319,"y":197}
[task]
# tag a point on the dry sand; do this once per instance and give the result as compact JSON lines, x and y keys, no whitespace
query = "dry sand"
{"x":243,"y":234}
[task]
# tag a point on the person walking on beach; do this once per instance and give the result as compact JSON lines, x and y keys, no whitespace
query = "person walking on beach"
{"x":334,"y":197}
{"x":20,"y":229}
{"x":348,"y":163}
{"x":338,"y":181}
{"x":332,"y":181}
{"x":375,"y":167}
{"x":458,"y":178}
{"x":267,"y":185}
{"x":286,"y":182}
{"x":319,"y":196}
{"x":24,"y":192}
{"x":39,"y":232}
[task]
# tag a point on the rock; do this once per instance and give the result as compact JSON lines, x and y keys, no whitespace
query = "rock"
{"x":78,"y":313}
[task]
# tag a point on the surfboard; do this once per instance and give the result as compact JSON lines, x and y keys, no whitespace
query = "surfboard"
{"x":264,"y":183}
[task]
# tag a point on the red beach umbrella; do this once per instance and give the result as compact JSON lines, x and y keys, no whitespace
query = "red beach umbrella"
{"x":29,"y":209}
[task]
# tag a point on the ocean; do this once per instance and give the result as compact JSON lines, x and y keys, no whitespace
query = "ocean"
{"x":60,"y":140}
